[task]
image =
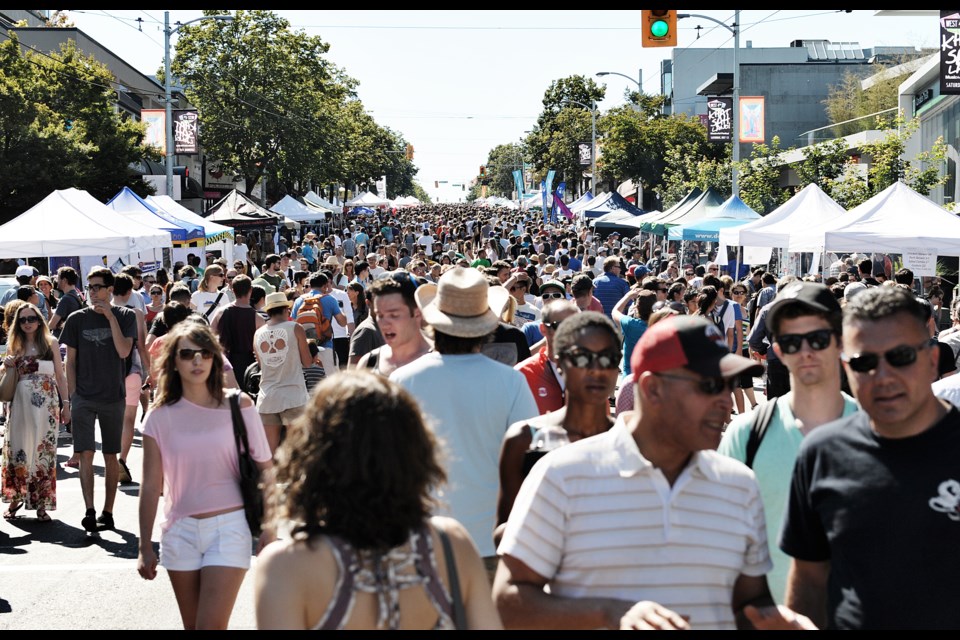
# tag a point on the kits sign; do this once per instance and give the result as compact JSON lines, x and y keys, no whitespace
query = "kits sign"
{"x":949,"y":52}
{"x":719,"y":119}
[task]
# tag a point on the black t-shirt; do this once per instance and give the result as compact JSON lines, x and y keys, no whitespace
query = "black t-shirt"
{"x":508,"y":345}
{"x":886,"y":514}
{"x":69,"y":303}
{"x":100,"y":371}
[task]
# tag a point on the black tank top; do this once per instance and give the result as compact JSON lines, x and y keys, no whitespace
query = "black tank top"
{"x":236,"y":328}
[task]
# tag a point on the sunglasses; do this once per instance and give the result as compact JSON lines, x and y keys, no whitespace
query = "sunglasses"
{"x":586,"y":359}
{"x":688,"y":273}
{"x":190,"y":354}
{"x":28,"y":319}
{"x":556,"y":295}
{"x":156,"y":292}
{"x":710,"y":386}
{"x":899,"y":357}
{"x":793,"y":342}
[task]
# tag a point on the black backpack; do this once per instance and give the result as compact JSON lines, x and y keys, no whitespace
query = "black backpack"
{"x":250,"y":384}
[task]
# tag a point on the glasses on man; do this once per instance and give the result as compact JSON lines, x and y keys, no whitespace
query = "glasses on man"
{"x":793,"y":342}
{"x":156,"y":292}
{"x":898,"y":357}
{"x":585,"y":359}
{"x":689,"y":274}
{"x":708,"y":385}
{"x":28,"y":319}
{"x":190,"y":354}
{"x":96,"y":288}
{"x":552,"y":295}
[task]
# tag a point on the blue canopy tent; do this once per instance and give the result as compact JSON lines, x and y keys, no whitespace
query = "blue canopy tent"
{"x":134,"y":207}
{"x":706,"y":230}
{"x":362,"y":211}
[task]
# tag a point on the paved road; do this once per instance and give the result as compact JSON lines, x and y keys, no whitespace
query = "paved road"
{"x":54,"y":576}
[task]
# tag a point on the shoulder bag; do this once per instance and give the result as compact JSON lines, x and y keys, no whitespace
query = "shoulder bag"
{"x":9,"y":378}
{"x":459,"y":614}
{"x":249,"y":472}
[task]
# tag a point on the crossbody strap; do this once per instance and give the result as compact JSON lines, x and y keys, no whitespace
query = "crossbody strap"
{"x":762,"y":418}
{"x":239,"y":427}
{"x":459,"y":615}
{"x":214,"y":305}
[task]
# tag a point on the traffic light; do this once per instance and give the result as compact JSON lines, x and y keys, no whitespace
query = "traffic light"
{"x":409,"y":152}
{"x":436,"y":184}
{"x":483,"y":171}
{"x":659,"y":27}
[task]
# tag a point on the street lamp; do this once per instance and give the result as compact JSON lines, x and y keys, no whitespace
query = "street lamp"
{"x":167,"y":32}
{"x":638,"y":81}
{"x":593,"y":137}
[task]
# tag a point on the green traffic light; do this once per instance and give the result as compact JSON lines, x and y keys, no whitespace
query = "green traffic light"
{"x":659,"y":29}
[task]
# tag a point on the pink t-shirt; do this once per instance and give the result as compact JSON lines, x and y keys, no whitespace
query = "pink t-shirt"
{"x":200,"y":469}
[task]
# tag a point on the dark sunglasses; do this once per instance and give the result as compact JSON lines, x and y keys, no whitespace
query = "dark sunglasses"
{"x":793,"y":342}
{"x":190,"y":354}
{"x":556,"y":295}
{"x":710,"y":386}
{"x":28,"y":319}
{"x":586,"y":359}
{"x":157,"y":292}
{"x":902,"y":356}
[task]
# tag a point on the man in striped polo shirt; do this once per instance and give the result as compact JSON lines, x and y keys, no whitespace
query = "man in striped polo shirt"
{"x":646,"y":526}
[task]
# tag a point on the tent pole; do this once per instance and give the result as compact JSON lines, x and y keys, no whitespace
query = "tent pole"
{"x":736,"y":274}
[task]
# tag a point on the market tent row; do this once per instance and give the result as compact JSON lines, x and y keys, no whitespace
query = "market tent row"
{"x":686,"y":211}
{"x":622,"y":222}
{"x":732,"y":213}
{"x":576,"y":204}
{"x":368,"y":199}
{"x":896,"y":220}
{"x":406,"y":201}
{"x":237,"y":210}
{"x":216,"y":237}
{"x":71,"y":222}
{"x":291,"y":209}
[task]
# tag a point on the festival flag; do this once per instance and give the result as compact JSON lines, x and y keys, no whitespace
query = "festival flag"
{"x":557,"y":200}
{"x":518,"y":182}
{"x":547,"y":192}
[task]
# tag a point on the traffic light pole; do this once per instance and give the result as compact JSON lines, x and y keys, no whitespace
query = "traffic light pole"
{"x":735,"y":125}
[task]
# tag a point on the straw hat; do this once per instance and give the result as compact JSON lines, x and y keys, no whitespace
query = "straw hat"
{"x":332,"y":260}
{"x":274,"y":300}
{"x":462,"y":304}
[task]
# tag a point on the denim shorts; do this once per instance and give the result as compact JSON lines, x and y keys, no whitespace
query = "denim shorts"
{"x":218,"y":541}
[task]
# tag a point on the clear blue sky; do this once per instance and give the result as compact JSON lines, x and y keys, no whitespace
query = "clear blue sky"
{"x":458,"y":83}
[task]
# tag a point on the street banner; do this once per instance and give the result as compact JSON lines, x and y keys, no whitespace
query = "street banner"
{"x":382,"y":187}
{"x":156,"y":121}
{"x":751,"y":119}
{"x":564,"y":209}
{"x":518,"y":182}
{"x":547,"y":193}
{"x":949,"y":52}
{"x":719,"y":119}
{"x":543,"y":199}
{"x":557,"y":200}
{"x":585,"y":153}
{"x":186,"y":129}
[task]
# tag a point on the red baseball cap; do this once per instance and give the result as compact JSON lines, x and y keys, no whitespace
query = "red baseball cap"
{"x":690,"y":342}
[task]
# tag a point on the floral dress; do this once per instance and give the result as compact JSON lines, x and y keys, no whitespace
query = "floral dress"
{"x":30,"y":447}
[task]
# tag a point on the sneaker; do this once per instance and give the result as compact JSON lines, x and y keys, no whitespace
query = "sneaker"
{"x":89,"y":521}
{"x":125,"y":477}
{"x":105,"y":520}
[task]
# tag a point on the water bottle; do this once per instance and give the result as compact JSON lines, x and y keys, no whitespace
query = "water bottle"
{"x":550,"y":438}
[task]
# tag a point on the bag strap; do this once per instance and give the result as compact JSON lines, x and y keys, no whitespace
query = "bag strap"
{"x":239,"y":427}
{"x":459,"y":614}
{"x":762,"y":418}
{"x":214,"y":305}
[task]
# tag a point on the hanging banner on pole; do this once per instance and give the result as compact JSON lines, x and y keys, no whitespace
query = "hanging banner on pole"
{"x":719,"y":119}
{"x":156,"y":121}
{"x":382,"y":187}
{"x":949,"y":52}
{"x":751,"y":119}
{"x":518,"y":183}
{"x":186,"y":129}
{"x":585,"y":153}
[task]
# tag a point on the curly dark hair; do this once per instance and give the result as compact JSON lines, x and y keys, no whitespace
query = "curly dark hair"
{"x":359,"y":464}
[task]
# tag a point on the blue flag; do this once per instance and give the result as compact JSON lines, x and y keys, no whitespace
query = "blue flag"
{"x":557,"y":200}
{"x":518,"y":182}
{"x":547,"y":192}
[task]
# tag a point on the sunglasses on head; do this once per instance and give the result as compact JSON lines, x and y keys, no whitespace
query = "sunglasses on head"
{"x":553,"y":295}
{"x":710,"y":386}
{"x":190,"y":354}
{"x":28,"y":319}
{"x":793,"y":342}
{"x":586,"y":359}
{"x":902,"y":356}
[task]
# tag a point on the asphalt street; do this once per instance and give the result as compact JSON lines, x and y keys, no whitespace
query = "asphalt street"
{"x":53,"y":575}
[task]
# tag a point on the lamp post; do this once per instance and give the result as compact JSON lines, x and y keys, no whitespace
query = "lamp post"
{"x":168,"y":100}
{"x":638,"y":81}
{"x":593,"y":138}
{"x":735,"y":125}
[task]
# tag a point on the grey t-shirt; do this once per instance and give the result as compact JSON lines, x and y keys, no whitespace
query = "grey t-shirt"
{"x":100,"y":370}
{"x":69,"y":303}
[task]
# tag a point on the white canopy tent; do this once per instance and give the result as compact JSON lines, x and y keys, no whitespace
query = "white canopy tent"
{"x":217,"y":237}
{"x":314,"y":201}
{"x":368,"y":199}
{"x":896,"y":220}
{"x":71,"y":222}
{"x":291,"y":209}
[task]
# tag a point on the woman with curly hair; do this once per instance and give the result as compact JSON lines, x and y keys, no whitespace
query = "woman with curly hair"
{"x":355,"y":478}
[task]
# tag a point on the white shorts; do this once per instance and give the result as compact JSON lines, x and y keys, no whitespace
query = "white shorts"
{"x":218,"y":541}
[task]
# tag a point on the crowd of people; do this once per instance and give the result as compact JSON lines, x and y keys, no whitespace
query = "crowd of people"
{"x":472,"y":418}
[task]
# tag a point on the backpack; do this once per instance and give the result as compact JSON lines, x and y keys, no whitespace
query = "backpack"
{"x":758,"y":428}
{"x":718,"y":317}
{"x":752,"y":306}
{"x":250,"y":384}
{"x":315,"y":323}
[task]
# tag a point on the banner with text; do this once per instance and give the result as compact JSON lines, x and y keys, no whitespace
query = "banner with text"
{"x":719,"y":119}
{"x":949,"y":52}
{"x":186,"y":132}
{"x":585,"y":153}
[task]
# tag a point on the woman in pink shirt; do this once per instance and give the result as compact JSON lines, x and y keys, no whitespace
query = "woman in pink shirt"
{"x":189,"y":451}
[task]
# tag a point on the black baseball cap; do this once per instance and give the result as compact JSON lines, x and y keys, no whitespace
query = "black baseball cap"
{"x":813,"y":296}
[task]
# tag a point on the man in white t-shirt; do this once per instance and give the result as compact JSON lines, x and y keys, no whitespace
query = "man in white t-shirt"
{"x":426,"y":241}
{"x":341,"y":334}
{"x":376,"y":270}
{"x":644,"y":526}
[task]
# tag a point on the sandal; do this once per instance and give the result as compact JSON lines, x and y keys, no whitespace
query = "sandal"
{"x":42,"y":515}
{"x":11,"y":512}
{"x":74,"y":464}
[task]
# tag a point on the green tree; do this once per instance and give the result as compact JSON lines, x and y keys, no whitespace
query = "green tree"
{"x":684,"y":172}
{"x":60,"y":129}
{"x":420,"y":193}
{"x":502,"y":161}
{"x":823,"y":163}
{"x":759,"y":178}
{"x":267,"y":97}
{"x":849,"y":100}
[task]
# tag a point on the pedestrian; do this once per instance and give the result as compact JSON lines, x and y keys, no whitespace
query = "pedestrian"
{"x":541,"y":369}
{"x":804,"y":322}
{"x":190,"y":457}
{"x":610,"y":287}
{"x":358,"y":471}
{"x":99,"y":339}
{"x":874,"y":496}
{"x":281,"y":349}
{"x":470,"y":399}
{"x":586,"y":349}
{"x":657,"y":529}
{"x":235,"y":325}
{"x":211,"y":293}
{"x":400,"y":322}
{"x":29,"y":474}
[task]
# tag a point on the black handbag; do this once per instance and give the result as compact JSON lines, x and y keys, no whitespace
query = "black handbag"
{"x":249,"y":472}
